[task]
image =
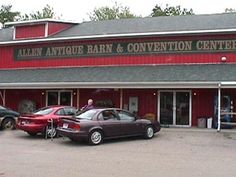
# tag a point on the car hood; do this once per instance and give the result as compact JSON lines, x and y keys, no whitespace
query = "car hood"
{"x":14,"y":113}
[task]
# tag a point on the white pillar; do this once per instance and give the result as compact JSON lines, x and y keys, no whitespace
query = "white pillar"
{"x":78,"y":98}
{"x":219,"y":107}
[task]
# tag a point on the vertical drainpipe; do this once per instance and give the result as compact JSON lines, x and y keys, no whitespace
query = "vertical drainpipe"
{"x":219,"y":106}
{"x":121,"y":98}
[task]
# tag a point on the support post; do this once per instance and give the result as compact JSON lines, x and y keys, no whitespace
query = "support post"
{"x":77,"y":98}
{"x":121,"y":98}
{"x":2,"y":95}
{"x":219,"y":107}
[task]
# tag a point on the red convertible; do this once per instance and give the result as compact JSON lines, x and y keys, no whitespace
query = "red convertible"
{"x":97,"y":124}
{"x":41,"y":120}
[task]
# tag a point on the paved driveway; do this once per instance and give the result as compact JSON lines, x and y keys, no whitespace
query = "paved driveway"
{"x":171,"y":153}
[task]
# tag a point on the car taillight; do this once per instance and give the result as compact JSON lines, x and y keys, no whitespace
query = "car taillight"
{"x":74,"y":126}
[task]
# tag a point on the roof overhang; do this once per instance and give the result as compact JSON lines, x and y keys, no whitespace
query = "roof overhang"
{"x":38,"y":21}
{"x":137,"y":85}
{"x":145,"y":76}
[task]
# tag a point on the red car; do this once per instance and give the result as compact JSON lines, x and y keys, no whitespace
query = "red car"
{"x":97,"y":124}
{"x":41,"y":120}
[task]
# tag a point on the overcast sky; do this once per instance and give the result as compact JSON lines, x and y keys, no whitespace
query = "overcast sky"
{"x":77,"y":10}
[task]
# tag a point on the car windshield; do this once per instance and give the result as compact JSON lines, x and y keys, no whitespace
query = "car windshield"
{"x":44,"y":111}
{"x":87,"y":115}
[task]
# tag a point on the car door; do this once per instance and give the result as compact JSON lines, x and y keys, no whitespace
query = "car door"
{"x":129,"y":123}
{"x":62,"y":113}
{"x":110,"y":123}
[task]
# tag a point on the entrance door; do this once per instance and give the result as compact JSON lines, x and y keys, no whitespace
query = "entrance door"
{"x":175,"y":108}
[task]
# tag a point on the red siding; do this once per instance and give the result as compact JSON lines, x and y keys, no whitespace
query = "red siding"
{"x":14,"y":97}
{"x":99,"y":95}
{"x":57,"y":27}
{"x":202,"y":104}
{"x":30,"y":31}
{"x":147,"y":100}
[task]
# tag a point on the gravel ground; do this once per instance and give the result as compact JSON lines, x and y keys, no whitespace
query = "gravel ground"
{"x":172,"y":152}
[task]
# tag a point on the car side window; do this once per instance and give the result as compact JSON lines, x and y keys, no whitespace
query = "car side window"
{"x":61,"y":112}
{"x":125,"y":116}
{"x":70,"y":111}
{"x":107,"y":115}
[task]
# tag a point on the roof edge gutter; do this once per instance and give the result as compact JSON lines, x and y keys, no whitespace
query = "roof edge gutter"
{"x":117,"y":35}
{"x":161,"y":85}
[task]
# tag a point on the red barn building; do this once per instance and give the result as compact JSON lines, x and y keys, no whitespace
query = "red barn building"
{"x":174,"y":68}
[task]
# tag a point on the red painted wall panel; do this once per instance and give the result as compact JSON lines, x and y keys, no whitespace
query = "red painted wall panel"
{"x":14,"y":97}
{"x":202,"y":104}
{"x":99,"y":95}
{"x":147,"y":100}
{"x":57,"y":27}
{"x":30,"y":31}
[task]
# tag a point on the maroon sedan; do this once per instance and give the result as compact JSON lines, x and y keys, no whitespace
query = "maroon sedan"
{"x":44,"y":120}
{"x":98,"y":124}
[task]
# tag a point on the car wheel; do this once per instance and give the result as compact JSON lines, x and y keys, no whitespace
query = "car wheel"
{"x":32,"y":134}
{"x":149,"y":132}
{"x":95,"y":137}
{"x":51,"y":132}
{"x":8,"y":124}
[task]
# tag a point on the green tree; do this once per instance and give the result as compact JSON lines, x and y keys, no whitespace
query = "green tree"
{"x":170,"y":11}
{"x":7,"y":15}
{"x":46,"y":12}
{"x":110,"y":13}
{"x":230,"y":10}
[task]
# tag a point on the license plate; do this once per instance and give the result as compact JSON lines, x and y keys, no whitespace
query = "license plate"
{"x":65,"y":125}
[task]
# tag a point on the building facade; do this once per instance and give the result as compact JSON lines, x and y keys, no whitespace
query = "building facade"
{"x":173,"y":68}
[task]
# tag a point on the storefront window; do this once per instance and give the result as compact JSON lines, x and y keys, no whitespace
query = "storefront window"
{"x":52,"y":98}
{"x":65,"y":98}
{"x":59,"y":98}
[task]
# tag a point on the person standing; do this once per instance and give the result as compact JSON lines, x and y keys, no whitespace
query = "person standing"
{"x":88,"y":106}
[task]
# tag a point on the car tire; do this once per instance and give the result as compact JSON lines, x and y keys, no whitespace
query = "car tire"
{"x":8,"y":124}
{"x":51,"y":132}
{"x":95,"y":137}
{"x":32,"y":134}
{"x":149,"y":132}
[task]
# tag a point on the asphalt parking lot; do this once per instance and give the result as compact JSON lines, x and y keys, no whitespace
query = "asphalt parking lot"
{"x":171,"y":153}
